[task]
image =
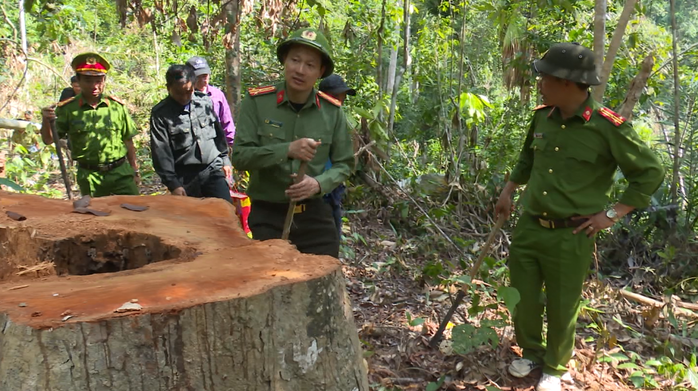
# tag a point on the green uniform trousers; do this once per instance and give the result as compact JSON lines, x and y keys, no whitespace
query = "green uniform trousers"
{"x":313,"y":230}
{"x":118,"y":181}
{"x":560,"y":260}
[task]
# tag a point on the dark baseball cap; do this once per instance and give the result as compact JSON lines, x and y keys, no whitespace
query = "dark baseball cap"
{"x":334,"y":84}
{"x":200,"y":66}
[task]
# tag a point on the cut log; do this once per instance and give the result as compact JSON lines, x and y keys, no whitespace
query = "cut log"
{"x":210,"y":309}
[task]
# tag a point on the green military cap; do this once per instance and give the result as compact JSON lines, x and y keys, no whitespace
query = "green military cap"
{"x":569,"y":61}
{"x":312,"y":38}
{"x":90,"y":64}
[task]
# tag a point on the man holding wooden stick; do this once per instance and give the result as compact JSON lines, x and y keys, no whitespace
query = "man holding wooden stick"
{"x":284,"y":128}
{"x":568,"y":161}
{"x":100,"y":131}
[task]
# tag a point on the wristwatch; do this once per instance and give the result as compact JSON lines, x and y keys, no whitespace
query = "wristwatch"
{"x":613,"y":215}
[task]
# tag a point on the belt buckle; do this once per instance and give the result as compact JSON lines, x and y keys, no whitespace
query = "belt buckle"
{"x":546,"y":223}
{"x":299,"y":209}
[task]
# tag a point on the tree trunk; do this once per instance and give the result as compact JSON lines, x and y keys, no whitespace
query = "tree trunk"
{"x":673,"y":190}
{"x":406,"y":43}
{"x":231,"y":41}
{"x":599,"y":33}
{"x":379,"y":49}
{"x":392,"y":71}
{"x":218,"y":311}
{"x":23,"y":28}
{"x":636,"y":87}
{"x":613,"y":47}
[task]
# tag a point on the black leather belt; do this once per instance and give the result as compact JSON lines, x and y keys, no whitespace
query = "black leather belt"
{"x":103,"y":167}
{"x":558,"y":223}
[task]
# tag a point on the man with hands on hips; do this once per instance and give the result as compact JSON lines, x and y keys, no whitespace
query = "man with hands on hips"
{"x":568,"y":161}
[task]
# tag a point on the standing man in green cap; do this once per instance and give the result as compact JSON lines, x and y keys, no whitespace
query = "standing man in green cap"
{"x":285,"y":124}
{"x":100,"y":132}
{"x":568,"y":161}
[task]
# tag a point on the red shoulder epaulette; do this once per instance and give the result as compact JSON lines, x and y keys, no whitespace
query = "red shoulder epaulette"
{"x":540,"y":107}
{"x":117,"y":100}
{"x":261,"y":90}
{"x":330,"y":99}
{"x":613,"y":117}
{"x":65,"y":102}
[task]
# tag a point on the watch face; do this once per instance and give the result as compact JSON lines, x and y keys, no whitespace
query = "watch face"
{"x":611,"y":214}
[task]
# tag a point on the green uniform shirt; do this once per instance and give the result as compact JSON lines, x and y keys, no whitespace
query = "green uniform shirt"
{"x":569,"y":165}
{"x":267,"y":124}
{"x":96,"y":134}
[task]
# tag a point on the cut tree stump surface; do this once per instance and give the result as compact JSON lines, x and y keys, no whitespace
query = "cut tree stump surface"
{"x":219,"y":311}
{"x":219,"y":262}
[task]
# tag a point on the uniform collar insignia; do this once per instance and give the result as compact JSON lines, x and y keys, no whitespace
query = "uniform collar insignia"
{"x":586,"y":114}
{"x":280,"y":96}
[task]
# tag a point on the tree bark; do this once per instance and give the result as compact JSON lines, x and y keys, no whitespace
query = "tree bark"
{"x":379,"y":49}
{"x":218,"y":310}
{"x":233,"y":79}
{"x":599,"y":33}
{"x":613,"y":47}
{"x":673,"y":190}
{"x":636,"y":87}
{"x":23,"y":28}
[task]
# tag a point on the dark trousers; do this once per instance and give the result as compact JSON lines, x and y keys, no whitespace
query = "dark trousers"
{"x":334,"y":198}
{"x":201,"y":181}
{"x":313,"y":230}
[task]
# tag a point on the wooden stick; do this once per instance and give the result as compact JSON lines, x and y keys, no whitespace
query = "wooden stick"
{"x":292,"y":205}
{"x":434,"y":342}
{"x":683,"y":310}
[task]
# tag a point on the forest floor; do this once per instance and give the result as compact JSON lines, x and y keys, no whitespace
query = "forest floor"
{"x":609,"y":330}
{"x":388,"y":292}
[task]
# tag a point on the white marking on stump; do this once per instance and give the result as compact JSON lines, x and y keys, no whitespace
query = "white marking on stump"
{"x":307,"y":360}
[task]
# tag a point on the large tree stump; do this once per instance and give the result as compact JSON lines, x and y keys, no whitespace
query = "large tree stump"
{"x":219,"y":311}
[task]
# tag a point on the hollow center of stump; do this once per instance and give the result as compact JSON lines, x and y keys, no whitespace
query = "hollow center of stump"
{"x":26,"y":255}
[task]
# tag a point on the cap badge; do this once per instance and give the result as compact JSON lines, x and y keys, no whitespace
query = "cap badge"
{"x":309,"y":35}
{"x":91,"y":60}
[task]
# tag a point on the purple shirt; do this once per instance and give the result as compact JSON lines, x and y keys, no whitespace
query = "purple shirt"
{"x":222,"y":110}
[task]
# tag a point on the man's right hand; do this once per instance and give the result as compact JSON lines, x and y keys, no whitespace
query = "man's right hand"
{"x":503,"y":207}
{"x":303,"y":149}
{"x":179,"y":192}
{"x":49,"y":113}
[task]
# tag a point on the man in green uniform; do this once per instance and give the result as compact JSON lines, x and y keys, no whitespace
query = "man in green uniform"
{"x":100,"y":132}
{"x":568,"y":161}
{"x":285,"y":124}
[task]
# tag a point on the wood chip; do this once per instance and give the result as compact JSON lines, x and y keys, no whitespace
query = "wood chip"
{"x":14,"y":288}
{"x":83,"y":202}
{"x":15,"y":216}
{"x":90,"y":211}
{"x":135,"y":208}
{"x":128,"y":307}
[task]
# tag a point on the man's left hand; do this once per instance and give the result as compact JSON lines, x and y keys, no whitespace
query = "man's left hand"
{"x":594,"y":224}
{"x":228,"y":171}
{"x":306,"y":188}
{"x":137,"y":178}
